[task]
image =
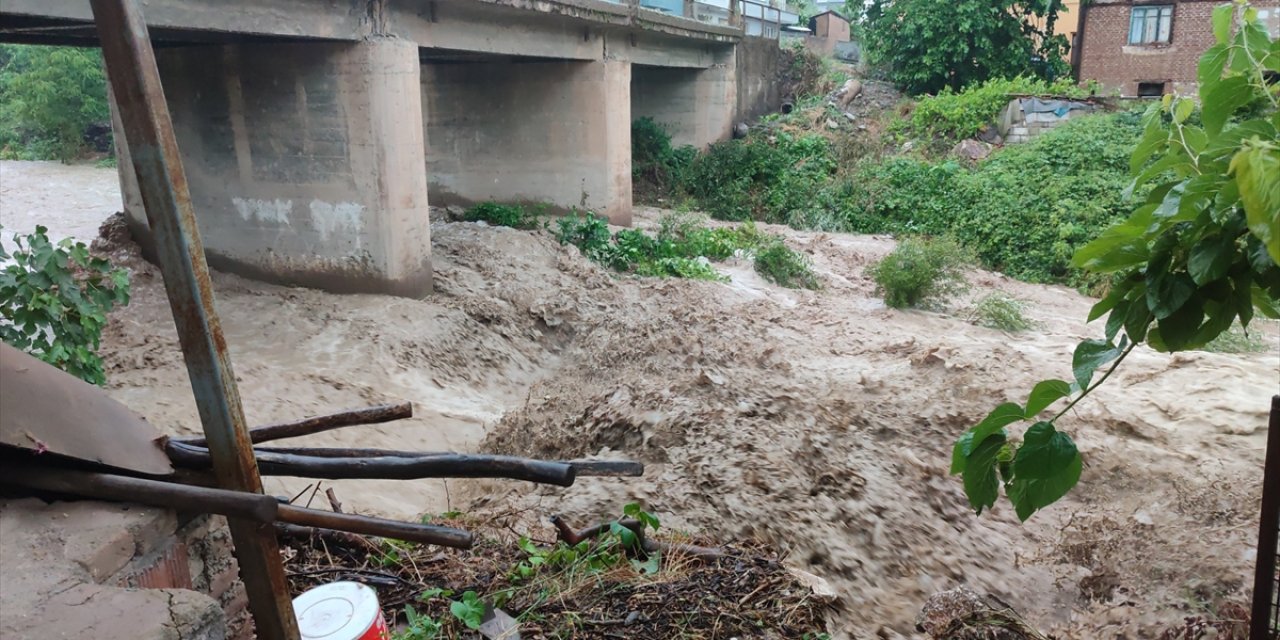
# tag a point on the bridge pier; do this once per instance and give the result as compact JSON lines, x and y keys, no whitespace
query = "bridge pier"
{"x":534,"y":131}
{"x":304,"y":161}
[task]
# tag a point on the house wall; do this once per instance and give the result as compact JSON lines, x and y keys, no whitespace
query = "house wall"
{"x":828,"y":31}
{"x":1107,"y":57}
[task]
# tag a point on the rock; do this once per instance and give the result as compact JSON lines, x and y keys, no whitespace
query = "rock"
{"x":455,"y":213}
{"x":990,"y":134}
{"x":740,"y":130}
{"x":822,"y":590}
{"x":832,"y":124}
{"x":971,"y":150}
{"x":848,"y":92}
{"x":908,"y":145}
{"x":850,"y":116}
{"x":962,"y":614}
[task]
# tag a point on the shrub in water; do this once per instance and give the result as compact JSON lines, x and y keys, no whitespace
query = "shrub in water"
{"x":785,"y":267}
{"x":999,"y":310}
{"x":921,"y":272}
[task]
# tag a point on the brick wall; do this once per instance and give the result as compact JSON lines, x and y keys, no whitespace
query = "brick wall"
{"x":1107,"y":56}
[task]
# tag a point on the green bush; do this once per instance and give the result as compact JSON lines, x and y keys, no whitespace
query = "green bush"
{"x":588,"y":232}
{"x":49,"y":96}
{"x":54,"y":300}
{"x":759,"y":179}
{"x":503,"y":215}
{"x":785,"y":267}
{"x":1024,"y":211}
{"x":999,"y":310}
{"x":950,"y":116}
{"x":921,"y":273}
{"x":657,"y":168}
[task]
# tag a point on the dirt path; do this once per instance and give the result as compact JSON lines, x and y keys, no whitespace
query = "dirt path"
{"x":818,"y":421}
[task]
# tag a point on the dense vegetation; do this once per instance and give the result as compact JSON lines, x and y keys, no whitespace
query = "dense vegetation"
{"x":1024,"y":210}
{"x":926,"y":45}
{"x":1198,"y":255}
{"x":51,"y":100}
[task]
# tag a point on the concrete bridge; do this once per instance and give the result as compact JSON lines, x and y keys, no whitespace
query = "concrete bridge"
{"x":314,"y":132}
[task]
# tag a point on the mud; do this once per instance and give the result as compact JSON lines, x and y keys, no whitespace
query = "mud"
{"x":817,"y":421}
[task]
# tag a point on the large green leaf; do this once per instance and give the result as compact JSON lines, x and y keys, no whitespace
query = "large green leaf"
{"x":1222,"y":23}
{"x":1168,"y":291}
{"x":1030,"y":495}
{"x":1211,"y":257}
{"x":1045,"y":393}
{"x":1257,"y":173}
{"x":980,"y":482}
{"x":1177,"y":329}
{"x":1222,"y":100}
{"x":1045,"y":453}
{"x":1090,"y":355}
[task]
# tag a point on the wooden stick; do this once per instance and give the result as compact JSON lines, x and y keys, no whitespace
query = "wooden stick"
{"x":318,"y":424}
{"x":569,"y":535}
{"x":390,"y":467}
{"x":237,"y":504}
{"x":424,"y":533}
{"x":332,"y":535}
{"x":620,"y":468}
{"x":180,"y":497}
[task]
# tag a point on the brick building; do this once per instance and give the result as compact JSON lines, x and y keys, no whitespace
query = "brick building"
{"x":1149,"y":48}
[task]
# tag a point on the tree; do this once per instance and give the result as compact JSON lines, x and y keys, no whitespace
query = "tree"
{"x":1201,"y":253}
{"x":49,"y":96}
{"x":929,"y":45}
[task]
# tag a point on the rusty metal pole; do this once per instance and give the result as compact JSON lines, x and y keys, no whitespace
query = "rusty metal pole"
{"x":1266,"y":599}
{"x":148,"y":130}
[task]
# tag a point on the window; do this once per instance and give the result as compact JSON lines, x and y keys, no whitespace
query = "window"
{"x":1150,"y":24}
{"x":1150,"y":89}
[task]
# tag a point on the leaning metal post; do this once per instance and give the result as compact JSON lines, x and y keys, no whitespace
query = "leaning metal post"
{"x":148,"y":130}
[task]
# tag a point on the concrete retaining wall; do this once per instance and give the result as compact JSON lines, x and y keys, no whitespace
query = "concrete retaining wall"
{"x":759,"y":67}
{"x":695,"y":105}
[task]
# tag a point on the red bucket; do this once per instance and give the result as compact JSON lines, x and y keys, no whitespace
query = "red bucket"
{"x":340,"y":611}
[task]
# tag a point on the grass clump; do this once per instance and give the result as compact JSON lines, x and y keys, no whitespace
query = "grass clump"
{"x":1236,"y":340}
{"x":504,"y":215}
{"x":999,"y":310}
{"x":921,"y":273}
{"x":785,"y":267}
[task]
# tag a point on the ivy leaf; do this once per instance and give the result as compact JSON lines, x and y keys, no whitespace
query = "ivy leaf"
{"x":981,"y":485}
{"x":1090,"y":355}
{"x":1045,"y":393}
{"x":999,"y":418}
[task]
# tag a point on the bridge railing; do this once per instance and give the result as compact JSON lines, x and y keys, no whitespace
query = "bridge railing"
{"x":758,"y":19}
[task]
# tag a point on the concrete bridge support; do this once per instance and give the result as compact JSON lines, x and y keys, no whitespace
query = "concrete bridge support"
{"x":533,"y":131}
{"x":695,"y":105}
{"x":304,"y":161}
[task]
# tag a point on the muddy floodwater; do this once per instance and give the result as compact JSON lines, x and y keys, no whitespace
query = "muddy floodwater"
{"x":819,"y":421}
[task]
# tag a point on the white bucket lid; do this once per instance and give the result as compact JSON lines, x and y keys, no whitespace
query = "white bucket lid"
{"x":336,"y":611}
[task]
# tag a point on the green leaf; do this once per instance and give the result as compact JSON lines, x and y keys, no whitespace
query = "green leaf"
{"x":1176,"y":330}
{"x":1045,"y":393}
{"x":1264,"y":303}
{"x":1031,"y":495}
{"x":470,"y":610}
{"x":981,"y":485}
{"x":1167,"y":292}
{"x":1116,"y":320}
{"x":1222,"y":24}
{"x":1138,"y":320}
{"x":1221,"y":100}
{"x":1044,"y":453}
{"x":1257,"y":173}
{"x":999,"y":418}
{"x":1090,"y":355}
{"x":1104,"y":305}
{"x":1210,"y":258}
{"x":1182,"y":108}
